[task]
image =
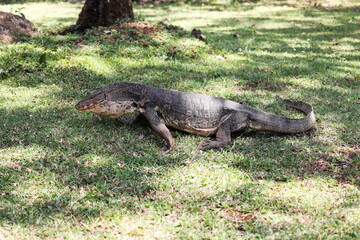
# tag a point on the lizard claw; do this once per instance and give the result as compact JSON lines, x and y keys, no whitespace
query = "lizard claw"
{"x":168,"y":149}
{"x":169,"y":146}
{"x":203,"y":145}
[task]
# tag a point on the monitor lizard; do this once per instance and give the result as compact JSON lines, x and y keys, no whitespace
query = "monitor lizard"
{"x":190,"y":112}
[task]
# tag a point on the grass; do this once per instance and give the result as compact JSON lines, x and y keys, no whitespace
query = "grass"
{"x":69,"y":175}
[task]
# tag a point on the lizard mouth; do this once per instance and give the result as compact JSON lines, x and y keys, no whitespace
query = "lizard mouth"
{"x":90,"y":102}
{"x":82,"y":107}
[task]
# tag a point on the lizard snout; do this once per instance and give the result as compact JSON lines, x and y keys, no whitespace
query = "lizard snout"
{"x":81,"y":107}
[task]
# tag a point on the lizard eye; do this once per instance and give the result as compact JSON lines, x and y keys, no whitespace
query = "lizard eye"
{"x":134,"y":104}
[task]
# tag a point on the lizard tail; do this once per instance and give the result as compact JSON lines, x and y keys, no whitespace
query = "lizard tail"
{"x":265,"y":121}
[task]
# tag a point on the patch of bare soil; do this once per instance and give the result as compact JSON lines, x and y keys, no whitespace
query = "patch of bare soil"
{"x":130,"y":31}
{"x":124,"y":31}
{"x":135,"y":28}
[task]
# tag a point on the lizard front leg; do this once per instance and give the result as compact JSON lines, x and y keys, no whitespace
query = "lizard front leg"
{"x":129,"y":118}
{"x":158,"y":125}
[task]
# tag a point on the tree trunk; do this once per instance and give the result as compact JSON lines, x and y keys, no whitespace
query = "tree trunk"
{"x":104,"y":13}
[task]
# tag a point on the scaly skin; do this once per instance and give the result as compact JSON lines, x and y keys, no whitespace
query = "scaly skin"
{"x":194,"y":113}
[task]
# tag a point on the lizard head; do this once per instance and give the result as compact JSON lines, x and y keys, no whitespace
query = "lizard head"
{"x":111,"y":100}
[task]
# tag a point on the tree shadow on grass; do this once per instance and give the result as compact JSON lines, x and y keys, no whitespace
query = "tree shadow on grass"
{"x":320,"y":38}
{"x":67,"y":156}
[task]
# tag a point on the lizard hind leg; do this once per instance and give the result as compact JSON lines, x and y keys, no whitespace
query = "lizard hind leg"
{"x":223,"y":138}
{"x":234,"y":123}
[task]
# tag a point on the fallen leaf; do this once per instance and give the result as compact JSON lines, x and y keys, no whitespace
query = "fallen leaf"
{"x":220,"y":57}
{"x":238,"y":216}
{"x":108,"y":32}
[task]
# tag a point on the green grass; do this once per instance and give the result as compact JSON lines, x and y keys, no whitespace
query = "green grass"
{"x":70,"y":175}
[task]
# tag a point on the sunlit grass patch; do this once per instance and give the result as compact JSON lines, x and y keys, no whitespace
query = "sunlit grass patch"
{"x":15,"y":155}
{"x":201,"y":180}
{"x":32,"y":98}
{"x":314,"y":194}
{"x":309,"y":202}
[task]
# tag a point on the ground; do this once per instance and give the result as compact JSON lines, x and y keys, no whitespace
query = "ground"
{"x":70,"y":175}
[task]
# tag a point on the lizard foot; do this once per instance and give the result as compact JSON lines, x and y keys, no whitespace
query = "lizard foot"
{"x":169,"y":146}
{"x":212,"y":145}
